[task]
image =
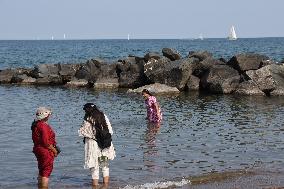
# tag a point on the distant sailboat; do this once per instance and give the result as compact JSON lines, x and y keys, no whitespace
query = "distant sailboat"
{"x":200,"y":37}
{"x":52,"y":38}
{"x":232,"y":34}
{"x":128,"y":37}
{"x":64,"y":36}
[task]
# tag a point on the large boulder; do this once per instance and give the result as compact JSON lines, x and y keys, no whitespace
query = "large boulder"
{"x":22,"y":79}
{"x":220,"y":79}
{"x":90,"y":70}
{"x":47,"y":74}
{"x":99,"y":73}
{"x":269,"y":79}
{"x":172,"y":73}
{"x":49,"y":80}
{"x":152,"y":55}
{"x":248,"y":61}
{"x":193,"y":83}
{"x":68,"y":71}
{"x":201,"y":68}
{"x":44,"y":70}
{"x":248,"y":88}
{"x":201,"y":55}
{"x":107,"y":77}
{"x":6,"y":76}
{"x":156,"y":88}
{"x":131,"y":73}
{"x":171,"y":54}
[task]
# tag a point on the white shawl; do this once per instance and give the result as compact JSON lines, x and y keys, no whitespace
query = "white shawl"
{"x":92,"y":150}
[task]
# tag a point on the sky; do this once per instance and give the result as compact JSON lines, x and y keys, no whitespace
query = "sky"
{"x":141,"y":19}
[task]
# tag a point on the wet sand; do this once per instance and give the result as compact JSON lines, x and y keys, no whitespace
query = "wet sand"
{"x":239,"y":180}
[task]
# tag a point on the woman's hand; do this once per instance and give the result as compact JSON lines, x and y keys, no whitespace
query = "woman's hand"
{"x":51,"y":147}
{"x":55,"y":153}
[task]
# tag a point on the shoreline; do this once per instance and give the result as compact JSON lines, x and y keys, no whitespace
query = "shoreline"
{"x":231,"y":179}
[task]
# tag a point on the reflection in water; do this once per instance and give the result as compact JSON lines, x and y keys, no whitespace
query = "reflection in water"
{"x":104,"y":186}
{"x":199,"y":134}
{"x":151,"y":153}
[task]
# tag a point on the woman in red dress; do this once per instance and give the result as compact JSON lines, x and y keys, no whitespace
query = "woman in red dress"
{"x":44,"y":145}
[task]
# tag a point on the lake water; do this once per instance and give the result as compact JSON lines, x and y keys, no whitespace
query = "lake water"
{"x":200,"y":134}
{"x":29,"y":53}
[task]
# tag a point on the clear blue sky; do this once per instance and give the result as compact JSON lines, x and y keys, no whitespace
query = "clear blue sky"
{"x":108,"y":19}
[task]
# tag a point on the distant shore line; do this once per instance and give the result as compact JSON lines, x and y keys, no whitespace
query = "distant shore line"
{"x":162,"y":72}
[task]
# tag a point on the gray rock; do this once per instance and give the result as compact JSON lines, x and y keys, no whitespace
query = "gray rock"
{"x":172,"y":73}
{"x":95,"y":70}
{"x":203,"y":67}
{"x":6,"y":76}
{"x":156,"y":88}
{"x":22,"y":79}
{"x":220,"y":79}
{"x":77,"y":83}
{"x":248,"y":61}
{"x":49,"y":80}
{"x":201,"y":55}
{"x":131,"y":73}
{"x":68,"y":71}
{"x":44,"y":70}
{"x":248,"y":88}
{"x":269,"y":78}
{"x":152,"y":55}
{"x":193,"y":83}
{"x":90,"y":70}
{"x":171,"y":54}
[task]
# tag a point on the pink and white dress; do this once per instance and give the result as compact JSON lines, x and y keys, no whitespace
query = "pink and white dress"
{"x":152,"y":113}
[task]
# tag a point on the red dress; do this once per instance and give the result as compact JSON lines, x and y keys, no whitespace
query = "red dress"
{"x":43,"y":136}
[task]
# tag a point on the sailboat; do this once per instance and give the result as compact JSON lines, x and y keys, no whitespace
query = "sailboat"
{"x":128,"y":37}
{"x":232,"y":35}
{"x":200,"y":37}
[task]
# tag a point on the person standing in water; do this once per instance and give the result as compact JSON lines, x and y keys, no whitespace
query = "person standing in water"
{"x":154,"y":114}
{"x":97,"y":150}
{"x":44,"y":148}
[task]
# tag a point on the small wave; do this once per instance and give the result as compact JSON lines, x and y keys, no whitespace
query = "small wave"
{"x":159,"y":184}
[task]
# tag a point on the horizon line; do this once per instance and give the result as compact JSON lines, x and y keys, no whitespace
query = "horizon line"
{"x":185,"y":38}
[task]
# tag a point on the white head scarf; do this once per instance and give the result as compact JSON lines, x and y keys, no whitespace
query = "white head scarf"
{"x":42,"y":112}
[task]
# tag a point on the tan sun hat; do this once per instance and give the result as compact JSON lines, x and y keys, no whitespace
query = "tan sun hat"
{"x":42,"y":112}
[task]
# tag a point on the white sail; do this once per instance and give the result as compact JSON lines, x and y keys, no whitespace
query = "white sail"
{"x":200,"y":36}
{"x":232,"y":35}
{"x":128,"y":37}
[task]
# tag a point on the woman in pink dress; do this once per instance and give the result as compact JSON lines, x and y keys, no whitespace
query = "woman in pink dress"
{"x":154,"y":114}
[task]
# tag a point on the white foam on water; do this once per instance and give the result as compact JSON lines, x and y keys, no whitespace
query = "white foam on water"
{"x":159,"y":185}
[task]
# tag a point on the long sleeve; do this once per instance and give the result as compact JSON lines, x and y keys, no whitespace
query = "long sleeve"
{"x":86,"y":130}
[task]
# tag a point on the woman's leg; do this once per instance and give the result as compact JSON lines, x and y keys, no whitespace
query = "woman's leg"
{"x":105,"y":171}
{"x":43,"y":182}
{"x":95,"y":176}
{"x":45,"y":165}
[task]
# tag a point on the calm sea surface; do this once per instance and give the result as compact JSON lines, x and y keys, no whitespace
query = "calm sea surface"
{"x":200,"y":134}
{"x":30,"y":53}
